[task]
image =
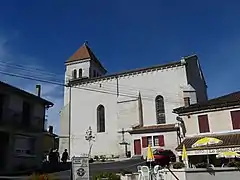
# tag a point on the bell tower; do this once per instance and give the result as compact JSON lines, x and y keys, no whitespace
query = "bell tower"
{"x":83,"y":64}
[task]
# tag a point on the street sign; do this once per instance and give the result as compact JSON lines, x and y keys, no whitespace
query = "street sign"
{"x":80,"y":168}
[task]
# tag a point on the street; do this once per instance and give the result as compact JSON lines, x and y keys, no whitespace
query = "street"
{"x":120,"y":166}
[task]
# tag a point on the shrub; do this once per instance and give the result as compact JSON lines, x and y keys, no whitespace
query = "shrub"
{"x":35,"y":176}
{"x":178,"y":165}
{"x":103,"y":158}
{"x":107,"y":175}
{"x":91,"y":160}
{"x":96,"y":158}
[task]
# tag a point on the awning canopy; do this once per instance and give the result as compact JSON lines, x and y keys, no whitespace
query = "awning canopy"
{"x":229,"y":141}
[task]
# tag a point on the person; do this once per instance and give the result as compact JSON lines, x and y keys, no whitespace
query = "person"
{"x":65,"y":156}
{"x":51,"y":156}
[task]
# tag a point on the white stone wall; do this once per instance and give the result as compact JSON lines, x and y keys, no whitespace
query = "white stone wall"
{"x":170,"y":141}
{"x":219,"y":122}
{"x":166,"y":82}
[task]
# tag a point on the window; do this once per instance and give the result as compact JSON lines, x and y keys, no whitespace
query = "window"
{"x":158,"y":140}
{"x":149,"y":140}
{"x":186,"y":101}
{"x":24,"y":145}
{"x":160,"y":110}
{"x":26,"y":114}
{"x":74,"y":75}
{"x":144,"y":142}
{"x":2,"y":100}
{"x":100,"y":118}
{"x":235,"y":115}
{"x":80,"y":73}
{"x":203,"y":124}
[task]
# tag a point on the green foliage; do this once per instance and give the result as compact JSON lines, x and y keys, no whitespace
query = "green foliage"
{"x":107,"y":175}
{"x":91,"y":160}
{"x":96,"y":158}
{"x":103,"y":158}
{"x":178,"y":165}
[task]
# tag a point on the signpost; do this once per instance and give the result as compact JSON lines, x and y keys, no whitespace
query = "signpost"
{"x":80,"y":168}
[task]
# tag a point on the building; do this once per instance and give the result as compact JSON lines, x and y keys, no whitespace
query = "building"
{"x":50,"y":141}
{"x":218,"y":117}
{"x":22,"y":120}
{"x":124,"y":108}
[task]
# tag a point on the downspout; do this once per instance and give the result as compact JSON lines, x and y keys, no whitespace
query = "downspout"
{"x":69,"y":120}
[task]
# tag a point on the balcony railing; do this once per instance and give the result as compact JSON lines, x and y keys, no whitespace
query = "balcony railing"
{"x":14,"y":120}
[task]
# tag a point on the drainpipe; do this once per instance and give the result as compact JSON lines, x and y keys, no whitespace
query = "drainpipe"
{"x":69,"y":120}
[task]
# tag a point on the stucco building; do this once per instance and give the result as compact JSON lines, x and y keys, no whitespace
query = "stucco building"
{"x":218,"y":117}
{"x":139,"y":102}
{"x":22,"y":120}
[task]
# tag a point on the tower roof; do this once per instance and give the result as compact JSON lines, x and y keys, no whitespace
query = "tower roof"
{"x":83,"y":53}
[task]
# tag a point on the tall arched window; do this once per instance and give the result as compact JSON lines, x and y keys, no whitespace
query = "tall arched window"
{"x":160,"y":110}
{"x":74,"y":74}
{"x":100,"y":118}
{"x":80,"y":73}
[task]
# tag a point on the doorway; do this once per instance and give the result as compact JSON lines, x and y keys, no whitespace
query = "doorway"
{"x":137,"y":147}
{"x":4,"y":141}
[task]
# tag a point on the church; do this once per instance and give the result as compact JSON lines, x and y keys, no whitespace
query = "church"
{"x":127,"y":110}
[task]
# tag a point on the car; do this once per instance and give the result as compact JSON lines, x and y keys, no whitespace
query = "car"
{"x":162,"y":157}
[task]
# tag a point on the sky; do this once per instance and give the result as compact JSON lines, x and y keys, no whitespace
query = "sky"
{"x":42,"y":35}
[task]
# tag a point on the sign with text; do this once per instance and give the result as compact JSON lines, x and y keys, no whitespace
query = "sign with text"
{"x":209,"y":151}
{"x":80,"y":168}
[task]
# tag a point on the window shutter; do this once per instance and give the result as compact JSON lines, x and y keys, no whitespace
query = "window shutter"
{"x":235,"y":115}
{"x":144,"y":142}
{"x":161,"y":140}
{"x":203,"y":124}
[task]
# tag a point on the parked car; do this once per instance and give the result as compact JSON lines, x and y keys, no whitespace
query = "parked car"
{"x":162,"y":157}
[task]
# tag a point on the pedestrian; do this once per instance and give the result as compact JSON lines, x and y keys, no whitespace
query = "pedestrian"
{"x":65,"y":156}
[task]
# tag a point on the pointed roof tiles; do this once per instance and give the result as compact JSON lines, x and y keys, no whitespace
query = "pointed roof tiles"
{"x":84,"y":53}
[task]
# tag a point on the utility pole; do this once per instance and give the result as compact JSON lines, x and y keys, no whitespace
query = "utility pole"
{"x":124,"y":143}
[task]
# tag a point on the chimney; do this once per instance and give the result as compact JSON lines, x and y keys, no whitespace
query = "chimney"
{"x":50,"y":129}
{"x":38,"y":89}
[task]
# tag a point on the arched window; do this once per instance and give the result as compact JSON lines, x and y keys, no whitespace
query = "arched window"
{"x":80,"y":73}
{"x":160,"y":110}
{"x":100,"y":118}
{"x":74,"y":74}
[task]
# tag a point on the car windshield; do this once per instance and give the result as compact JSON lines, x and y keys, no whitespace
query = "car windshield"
{"x":162,"y":152}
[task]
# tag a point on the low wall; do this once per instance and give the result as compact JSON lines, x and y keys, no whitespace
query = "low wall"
{"x":201,"y":173}
{"x":195,"y":174}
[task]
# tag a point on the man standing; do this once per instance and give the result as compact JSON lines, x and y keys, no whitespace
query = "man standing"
{"x":65,"y":156}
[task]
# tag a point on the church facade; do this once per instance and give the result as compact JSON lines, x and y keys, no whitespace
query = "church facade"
{"x":129,"y":110}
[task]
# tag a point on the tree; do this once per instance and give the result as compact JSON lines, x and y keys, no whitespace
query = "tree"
{"x":90,"y":138}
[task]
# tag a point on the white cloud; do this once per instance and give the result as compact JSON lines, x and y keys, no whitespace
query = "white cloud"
{"x":51,"y":92}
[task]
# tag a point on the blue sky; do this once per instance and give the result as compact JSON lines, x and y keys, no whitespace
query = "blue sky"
{"x":124,"y":35}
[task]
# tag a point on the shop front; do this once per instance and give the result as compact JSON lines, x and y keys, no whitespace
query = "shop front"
{"x":231,"y":142}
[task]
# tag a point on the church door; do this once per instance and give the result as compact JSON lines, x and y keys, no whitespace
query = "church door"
{"x":137,"y":147}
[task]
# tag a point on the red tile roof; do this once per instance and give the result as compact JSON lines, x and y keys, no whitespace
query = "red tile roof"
{"x":229,"y":140}
{"x":154,"y":128}
{"x":228,"y":100}
{"x":83,"y":53}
